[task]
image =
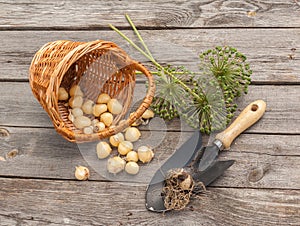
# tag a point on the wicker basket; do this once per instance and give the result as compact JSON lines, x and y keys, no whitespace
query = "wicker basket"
{"x":99,"y":66}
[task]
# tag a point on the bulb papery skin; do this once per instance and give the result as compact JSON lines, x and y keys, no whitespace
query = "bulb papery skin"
{"x":103,"y":150}
{"x":103,"y":98}
{"x":116,"y":139}
{"x":114,"y":106}
{"x":95,"y":121}
{"x":81,"y":122}
{"x":98,"y":109}
{"x":132,"y":156}
{"x":87,"y":107}
{"x":71,"y":117}
{"x":107,"y":118}
{"x":99,"y":126}
{"x":75,"y":91}
{"x":187,"y":183}
{"x":132,"y":134}
{"x":76,"y":102}
{"x":125,"y":147}
{"x":132,"y":168}
{"x":115,"y":165}
{"x":145,"y":154}
{"x":88,"y":130}
{"x":82,"y":173}
{"x":62,"y":94}
{"x":77,"y":112}
{"x":148,"y":114}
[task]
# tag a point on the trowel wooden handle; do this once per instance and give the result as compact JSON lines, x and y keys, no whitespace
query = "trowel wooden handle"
{"x":251,"y":114}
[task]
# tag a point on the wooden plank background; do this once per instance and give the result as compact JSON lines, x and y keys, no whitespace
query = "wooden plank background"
{"x":37,"y":187}
{"x":68,"y":14}
{"x":273,"y":53}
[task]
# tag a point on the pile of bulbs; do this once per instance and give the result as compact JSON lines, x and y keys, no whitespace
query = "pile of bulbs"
{"x":127,"y":158}
{"x":83,"y":109}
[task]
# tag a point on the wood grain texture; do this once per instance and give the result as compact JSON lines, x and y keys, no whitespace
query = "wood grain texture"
{"x":44,"y":154}
{"x":102,"y":203}
{"x":37,"y":186}
{"x":273,"y":53}
{"x":97,"y":14}
{"x":20,"y":108}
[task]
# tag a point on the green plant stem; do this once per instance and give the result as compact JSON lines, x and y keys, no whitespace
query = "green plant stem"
{"x":130,"y":42}
{"x":153,"y":60}
{"x":138,"y":35}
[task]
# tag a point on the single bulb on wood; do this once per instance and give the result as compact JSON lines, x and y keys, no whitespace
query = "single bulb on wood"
{"x":82,"y":173}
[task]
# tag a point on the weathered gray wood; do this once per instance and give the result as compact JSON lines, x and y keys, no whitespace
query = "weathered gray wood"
{"x":44,"y":154}
{"x":20,"y":108}
{"x":36,"y":202}
{"x":97,"y":14}
{"x":37,"y":187}
{"x":272,"y":53}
